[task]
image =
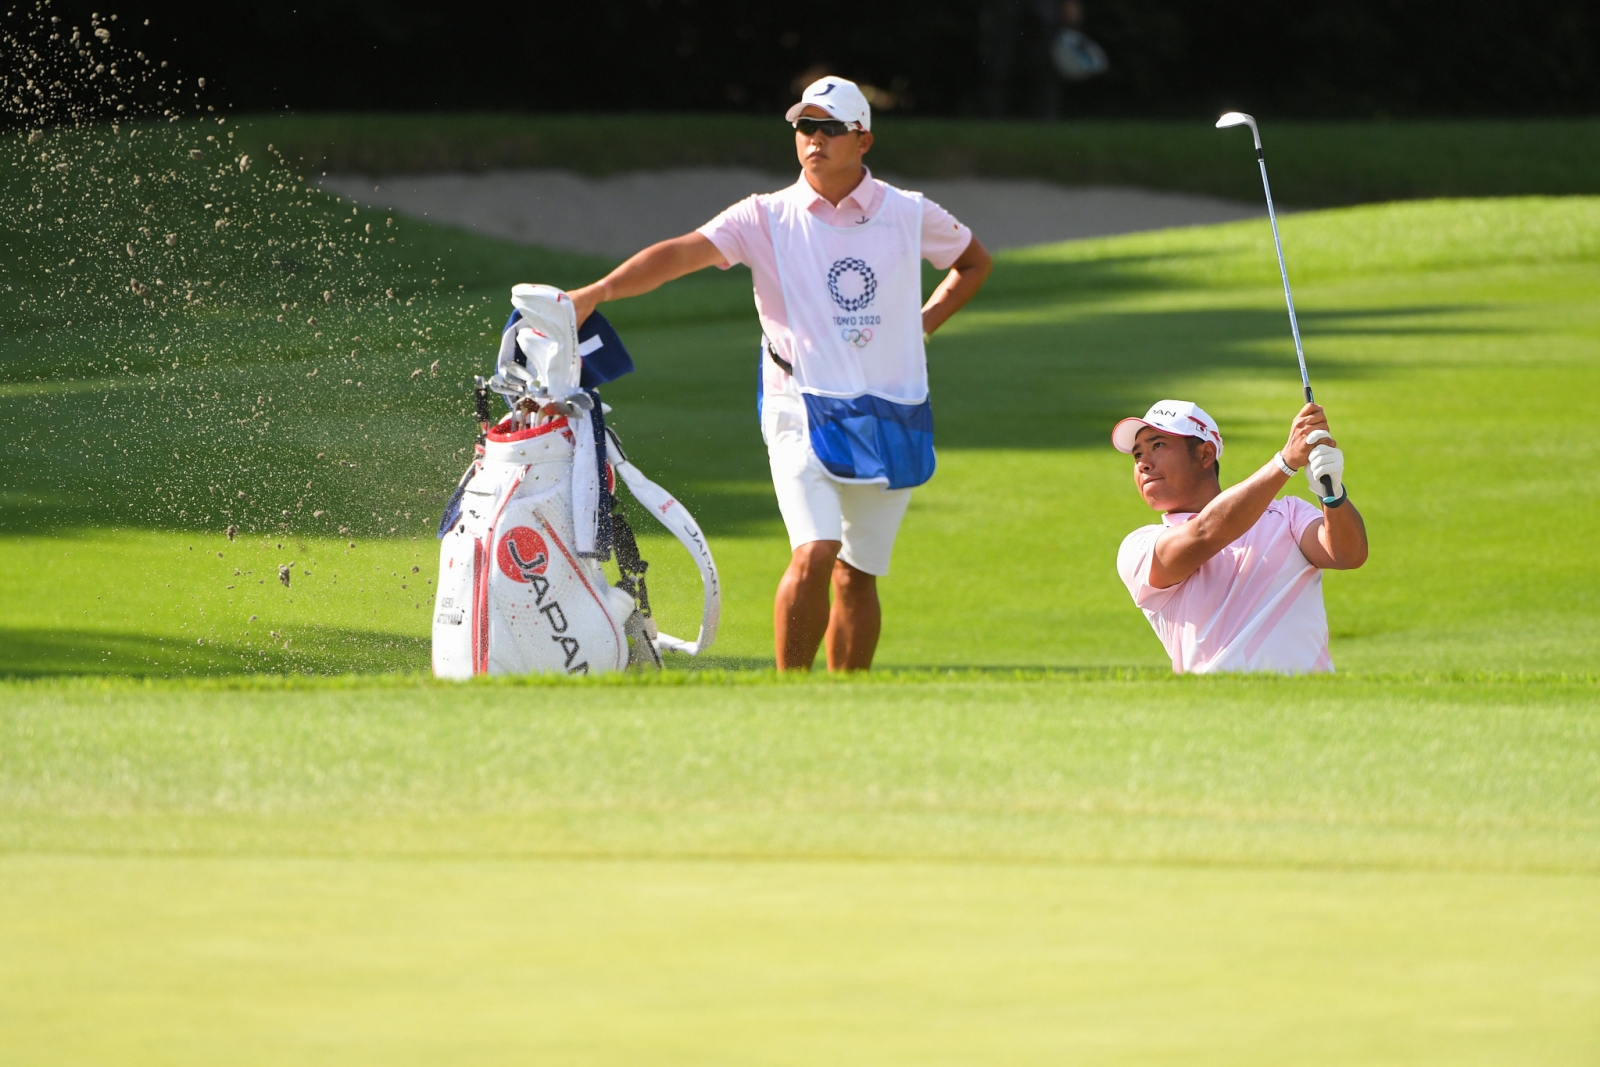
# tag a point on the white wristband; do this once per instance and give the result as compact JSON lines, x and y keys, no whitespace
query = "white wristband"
{"x":1283,"y":465}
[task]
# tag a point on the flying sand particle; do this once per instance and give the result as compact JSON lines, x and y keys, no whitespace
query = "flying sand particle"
{"x":283,"y":574}
{"x":232,"y":531}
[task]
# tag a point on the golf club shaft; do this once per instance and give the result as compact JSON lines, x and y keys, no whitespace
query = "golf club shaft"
{"x":1288,"y":297}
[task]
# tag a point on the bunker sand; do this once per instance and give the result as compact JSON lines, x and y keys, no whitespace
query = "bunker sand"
{"x":617,"y":216}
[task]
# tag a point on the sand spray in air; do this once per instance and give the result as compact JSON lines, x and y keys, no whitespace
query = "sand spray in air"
{"x":215,"y":342}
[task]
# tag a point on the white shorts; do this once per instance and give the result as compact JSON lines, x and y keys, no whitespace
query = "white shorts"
{"x":865,"y":516}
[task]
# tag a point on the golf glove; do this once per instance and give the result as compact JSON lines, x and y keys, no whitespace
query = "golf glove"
{"x":1325,"y":461}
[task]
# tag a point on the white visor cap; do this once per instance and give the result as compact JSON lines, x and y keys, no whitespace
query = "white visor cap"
{"x":1169,"y":416}
{"x":839,"y":97}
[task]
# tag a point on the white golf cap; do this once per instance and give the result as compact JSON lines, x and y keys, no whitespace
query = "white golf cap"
{"x":1169,"y":416}
{"x":839,"y":97}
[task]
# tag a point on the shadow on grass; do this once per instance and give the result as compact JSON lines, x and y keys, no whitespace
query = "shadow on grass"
{"x":41,"y":653}
{"x":248,"y":423}
{"x":34,"y":653}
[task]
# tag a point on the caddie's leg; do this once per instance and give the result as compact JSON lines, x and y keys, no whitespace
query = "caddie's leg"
{"x":870,"y":517}
{"x":800,"y":613}
{"x":856,"y":619}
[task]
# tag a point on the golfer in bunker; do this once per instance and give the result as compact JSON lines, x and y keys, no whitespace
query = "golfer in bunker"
{"x":1231,"y":579}
{"x":836,"y":259}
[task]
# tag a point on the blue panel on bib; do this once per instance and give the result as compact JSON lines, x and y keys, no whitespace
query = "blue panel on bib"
{"x":867,"y":437}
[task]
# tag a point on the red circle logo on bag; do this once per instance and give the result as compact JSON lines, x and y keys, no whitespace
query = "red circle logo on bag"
{"x":522,"y":554}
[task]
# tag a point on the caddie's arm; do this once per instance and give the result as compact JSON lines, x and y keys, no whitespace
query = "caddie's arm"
{"x":966,"y":277}
{"x":1182,"y":550}
{"x":650,"y":269}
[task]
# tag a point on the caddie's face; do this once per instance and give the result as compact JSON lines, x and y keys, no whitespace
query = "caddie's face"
{"x":1169,"y":476}
{"x":822,"y":155}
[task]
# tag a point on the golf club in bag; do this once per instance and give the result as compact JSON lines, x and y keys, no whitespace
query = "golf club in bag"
{"x":1239,"y":118}
{"x":521,"y":589}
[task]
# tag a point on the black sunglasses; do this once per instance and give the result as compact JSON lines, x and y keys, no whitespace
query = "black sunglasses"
{"x":828,"y":127}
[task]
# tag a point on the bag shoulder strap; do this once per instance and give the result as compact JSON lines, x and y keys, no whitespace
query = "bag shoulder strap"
{"x":676,"y":518}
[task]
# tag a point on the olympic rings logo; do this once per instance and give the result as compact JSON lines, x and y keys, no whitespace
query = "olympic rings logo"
{"x":859,"y":338}
{"x":869,"y":284}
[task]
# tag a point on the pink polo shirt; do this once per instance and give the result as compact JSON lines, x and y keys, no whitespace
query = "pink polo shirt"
{"x":1254,"y":606}
{"x":740,"y":234}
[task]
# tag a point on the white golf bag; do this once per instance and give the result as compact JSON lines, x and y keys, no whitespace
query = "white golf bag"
{"x":521,"y":589}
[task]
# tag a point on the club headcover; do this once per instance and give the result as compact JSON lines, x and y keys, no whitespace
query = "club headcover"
{"x":542,"y":355}
{"x":549,"y":313}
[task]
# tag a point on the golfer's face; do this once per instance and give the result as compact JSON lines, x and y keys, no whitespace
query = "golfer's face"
{"x":1164,"y":469}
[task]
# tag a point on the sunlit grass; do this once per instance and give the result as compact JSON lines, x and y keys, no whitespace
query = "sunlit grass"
{"x":1022,"y":841}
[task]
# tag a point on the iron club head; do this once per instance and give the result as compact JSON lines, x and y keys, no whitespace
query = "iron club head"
{"x":1239,"y":118}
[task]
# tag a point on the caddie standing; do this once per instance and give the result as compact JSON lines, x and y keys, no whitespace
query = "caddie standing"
{"x":844,"y":408}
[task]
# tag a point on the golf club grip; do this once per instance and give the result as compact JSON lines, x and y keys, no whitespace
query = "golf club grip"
{"x":1327,"y":487}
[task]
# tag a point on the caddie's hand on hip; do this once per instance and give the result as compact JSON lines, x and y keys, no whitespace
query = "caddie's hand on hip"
{"x":1325,"y":461}
{"x":1311,"y":419}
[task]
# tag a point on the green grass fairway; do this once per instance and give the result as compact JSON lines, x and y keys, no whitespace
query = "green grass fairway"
{"x":1447,"y":338}
{"x":238,"y":824}
{"x":290,"y":959}
{"x":915,"y":870}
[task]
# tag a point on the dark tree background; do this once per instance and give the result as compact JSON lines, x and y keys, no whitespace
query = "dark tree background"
{"x":1312,"y":58}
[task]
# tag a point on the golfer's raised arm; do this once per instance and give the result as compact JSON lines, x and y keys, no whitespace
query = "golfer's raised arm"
{"x":1339,"y":541}
{"x":650,"y":269}
{"x":1184,"y":549}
